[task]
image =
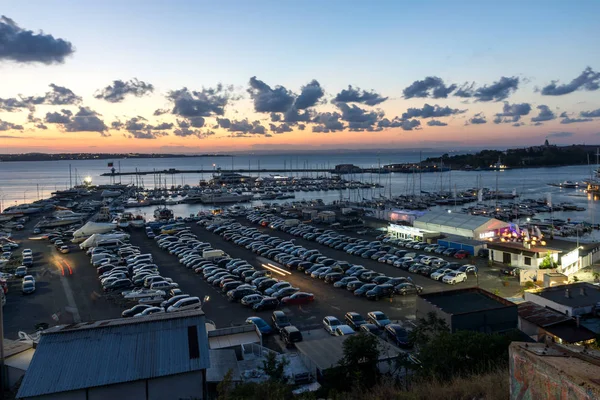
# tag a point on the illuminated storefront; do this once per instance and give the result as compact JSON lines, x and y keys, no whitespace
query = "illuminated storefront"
{"x":412,"y":233}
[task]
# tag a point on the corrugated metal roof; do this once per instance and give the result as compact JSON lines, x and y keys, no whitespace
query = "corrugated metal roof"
{"x":459,"y":220}
{"x":540,"y":315}
{"x":115,"y":351}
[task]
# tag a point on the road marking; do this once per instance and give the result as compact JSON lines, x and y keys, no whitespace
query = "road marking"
{"x":68,"y":293}
{"x":337,"y":308}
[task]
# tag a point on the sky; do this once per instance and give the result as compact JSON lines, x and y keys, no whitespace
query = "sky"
{"x":198,"y":77}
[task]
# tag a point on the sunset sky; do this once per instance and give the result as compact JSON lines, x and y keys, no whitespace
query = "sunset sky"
{"x":199,"y":76}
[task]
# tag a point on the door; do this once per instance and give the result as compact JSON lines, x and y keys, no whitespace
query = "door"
{"x":506,"y":259}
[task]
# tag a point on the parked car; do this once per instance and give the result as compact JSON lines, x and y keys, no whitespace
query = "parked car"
{"x":408,"y":288}
{"x":260,"y":323}
{"x":188,"y":303}
{"x":370,"y":328}
{"x":290,"y":335}
{"x":461,"y":254}
{"x":354,"y":319}
{"x":28,"y":287}
{"x":21,"y":271}
{"x":378,"y":318}
{"x":280,"y":320}
{"x":330,"y":323}
{"x":150,"y":311}
{"x":343,"y":330}
{"x":267,"y":303}
{"x":131,"y":312}
{"x":454,"y":277}
{"x":380,"y":291}
{"x":398,"y":335}
{"x":298,"y":298}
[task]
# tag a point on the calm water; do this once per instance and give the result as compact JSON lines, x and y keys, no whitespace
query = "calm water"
{"x":27,"y":181}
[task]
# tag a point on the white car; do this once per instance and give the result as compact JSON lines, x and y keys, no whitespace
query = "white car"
{"x":29,"y":278}
{"x":28,"y":287}
{"x":343,"y":330}
{"x":27,"y":253}
{"x":437,"y":275}
{"x":330,"y":323}
{"x":189,"y":303}
{"x":454,"y":277}
{"x":163,"y":285}
{"x":21,"y":271}
{"x":150,"y":311}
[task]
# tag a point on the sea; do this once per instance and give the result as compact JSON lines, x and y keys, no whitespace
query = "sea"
{"x":28,"y":181}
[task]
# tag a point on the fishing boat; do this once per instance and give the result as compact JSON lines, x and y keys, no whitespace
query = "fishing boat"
{"x":224,"y":197}
{"x":163,"y":213}
{"x":137,"y":221}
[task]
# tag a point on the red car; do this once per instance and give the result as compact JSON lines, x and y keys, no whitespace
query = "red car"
{"x":298,"y":298}
{"x":461,"y":254}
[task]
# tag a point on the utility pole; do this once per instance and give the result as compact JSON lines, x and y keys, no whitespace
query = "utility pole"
{"x":70,"y":177}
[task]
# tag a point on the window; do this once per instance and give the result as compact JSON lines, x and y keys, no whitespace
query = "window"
{"x":527,"y":260}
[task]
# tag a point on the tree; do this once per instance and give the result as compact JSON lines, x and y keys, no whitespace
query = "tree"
{"x":361,"y":356}
{"x":548,"y":262}
{"x":427,"y":328}
{"x":275,"y":369}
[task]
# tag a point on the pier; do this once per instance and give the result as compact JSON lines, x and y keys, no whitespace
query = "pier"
{"x":174,"y":171}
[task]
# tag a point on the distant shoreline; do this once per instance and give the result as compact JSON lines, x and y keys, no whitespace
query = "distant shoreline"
{"x":95,"y":156}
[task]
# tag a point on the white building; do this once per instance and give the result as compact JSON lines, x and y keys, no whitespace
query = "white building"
{"x":459,"y":224}
{"x":162,"y":356}
{"x":571,"y":300}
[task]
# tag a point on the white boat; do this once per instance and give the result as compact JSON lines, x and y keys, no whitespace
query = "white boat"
{"x":56,"y":222}
{"x":90,"y":228}
{"x":142,"y":293}
{"x":163,"y":213}
{"x":151,"y":299}
{"x":110,"y":193}
{"x":221,"y":197}
{"x":137,"y":222}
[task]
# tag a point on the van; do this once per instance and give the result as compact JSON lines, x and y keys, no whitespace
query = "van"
{"x":290,"y":335}
{"x":189,"y":303}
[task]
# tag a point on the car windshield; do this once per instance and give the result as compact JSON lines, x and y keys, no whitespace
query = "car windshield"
{"x":259,"y":322}
{"x":380,"y":317}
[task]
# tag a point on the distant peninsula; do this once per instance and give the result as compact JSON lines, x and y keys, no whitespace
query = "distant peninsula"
{"x":95,"y":156}
{"x":546,"y":155}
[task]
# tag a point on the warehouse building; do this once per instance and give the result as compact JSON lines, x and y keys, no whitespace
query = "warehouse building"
{"x":463,"y":225}
{"x":471,"y":309}
{"x":161,"y":356}
{"x":572,"y":300}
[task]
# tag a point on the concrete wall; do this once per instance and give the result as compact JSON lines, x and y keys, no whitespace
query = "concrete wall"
{"x":531,"y":330}
{"x":129,"y":390}
{"x":181,"y":386}
{"x":73,"y":395}
{"x":551,"y":376}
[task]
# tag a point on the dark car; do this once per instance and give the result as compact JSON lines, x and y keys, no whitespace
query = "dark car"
{"x":370,"y":328}
{"x":354,"y":320}
{"x":267,"y":303}
{"x":380,"y":291}
{"x":408,"y":288}
{"x":280,"y":320}
{"x":237,"y":294}
{"x":333,"y":277}
{"x":353,"y":285}
{"x":290,"y":335}
{"x":135,"y":310}
{"x":449,"y":252}
{"x":398,"y":335}
{"x":362,"y":291}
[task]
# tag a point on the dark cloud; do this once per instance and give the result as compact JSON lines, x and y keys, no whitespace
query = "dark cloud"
{"x":186,"y":132}
{"x":163,"y":126}
{"x":25,"y":46}
{"x":356,"y":95}
{"x":434,"y":122}
{"x":146,"y":134}
{"x":86,"y":120}
{"x":517,"y":124}
{"x":41,"y":126}
{"x":160,"y":111}
{"x":569,"y":120}
{"x":58,"y":96}
{"x":275,"y":117}
{"x":429,"y":111}
{"x":310,"y":94}
{"x":478,"y":119}
{"x":466,"y":90}
{"x":358,"y":118}
{"x":590,"y":114}
{"x":560,"y":134}
{"x":545,"y":114}
{"x":301,"y":127}
{"x":538,"y":124}
{"x":405,"y":124}
{"x":62,"y":117}
{"x":564,"y":115}
{"x":328,"y":122}
{"x":9,"y":126}
{"x":281,"y":128}
{"x":267,"y":99}
{"x":242,"y":126}
{"x":431,"y":86}
{"x":587,"y":80}
{"x":293,"y":116}
{"x":116,"y":92}
{"x":139,"y":128}
{"x":512,"y":112}
{"x":13,"y":104}
{"x":205,"y":103}
{"x":497,"y":91}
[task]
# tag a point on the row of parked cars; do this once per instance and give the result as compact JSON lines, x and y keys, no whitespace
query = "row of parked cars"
{"x":384,"y":251}
{"x":236,"y":278}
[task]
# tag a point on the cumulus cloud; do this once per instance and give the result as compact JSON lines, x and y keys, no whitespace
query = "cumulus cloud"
{"x":590,"y":114}
{"x":309,"y":96}
{"x":478,"y":119}
{"x":243,"y":126}
{"x":328,"y":122}
{"x":466,"y":90}
{"x":9,"y":126}
{"x":293,"y":116}
{"x":587,"y":80}
{"x":497,"y":91}
{"x":356,"y":95}
{"x":26,"y":46}
{"x":139,"y":128}
{"x":160,"y":111}
{"x":359,"y":119}
{"x":205,"y":103}
{"x":435,"y":122}
{"x":85,"y":120}
{"x":569,"y":120}
{"x":405,"y":124}
{"x":545,"y":114}
{"x":57,"y":96}
{"x":267,"y":99}
{"x":560,"y":134}
{"x":199,"y":133}
{"x":13,"y":104}
{"x":281,"y":128}
{"x":429,"y":111}
{"x":512,"y":112}
{"x":431,"y":86}
{"x":116,"y":92}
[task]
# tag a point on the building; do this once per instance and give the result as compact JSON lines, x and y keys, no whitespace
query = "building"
{"x":548,"y":372}
{"x":463,"y":225}
{"x":544,"y":324}
{"x":471,"y":309}
{"x":572,"y":300}
{"x":517,"y":255}
{"x":319,"y":355}
{"x":156,"y":357}
{"x":460,"y":243}
{"x":411,"y":233}
{"x":17,"y":357}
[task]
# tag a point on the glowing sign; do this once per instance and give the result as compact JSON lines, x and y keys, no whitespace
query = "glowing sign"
{"x":487,"y":235}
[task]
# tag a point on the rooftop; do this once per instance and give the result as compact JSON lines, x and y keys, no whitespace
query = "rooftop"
{"x":540,"y":315}
{"x":459,"y":220}
{"x":115,"y":351}
{"x":580,"y":294}
{"x":467,"y":300}
{"x":569,"y":332}
{"x":518,"y":247}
